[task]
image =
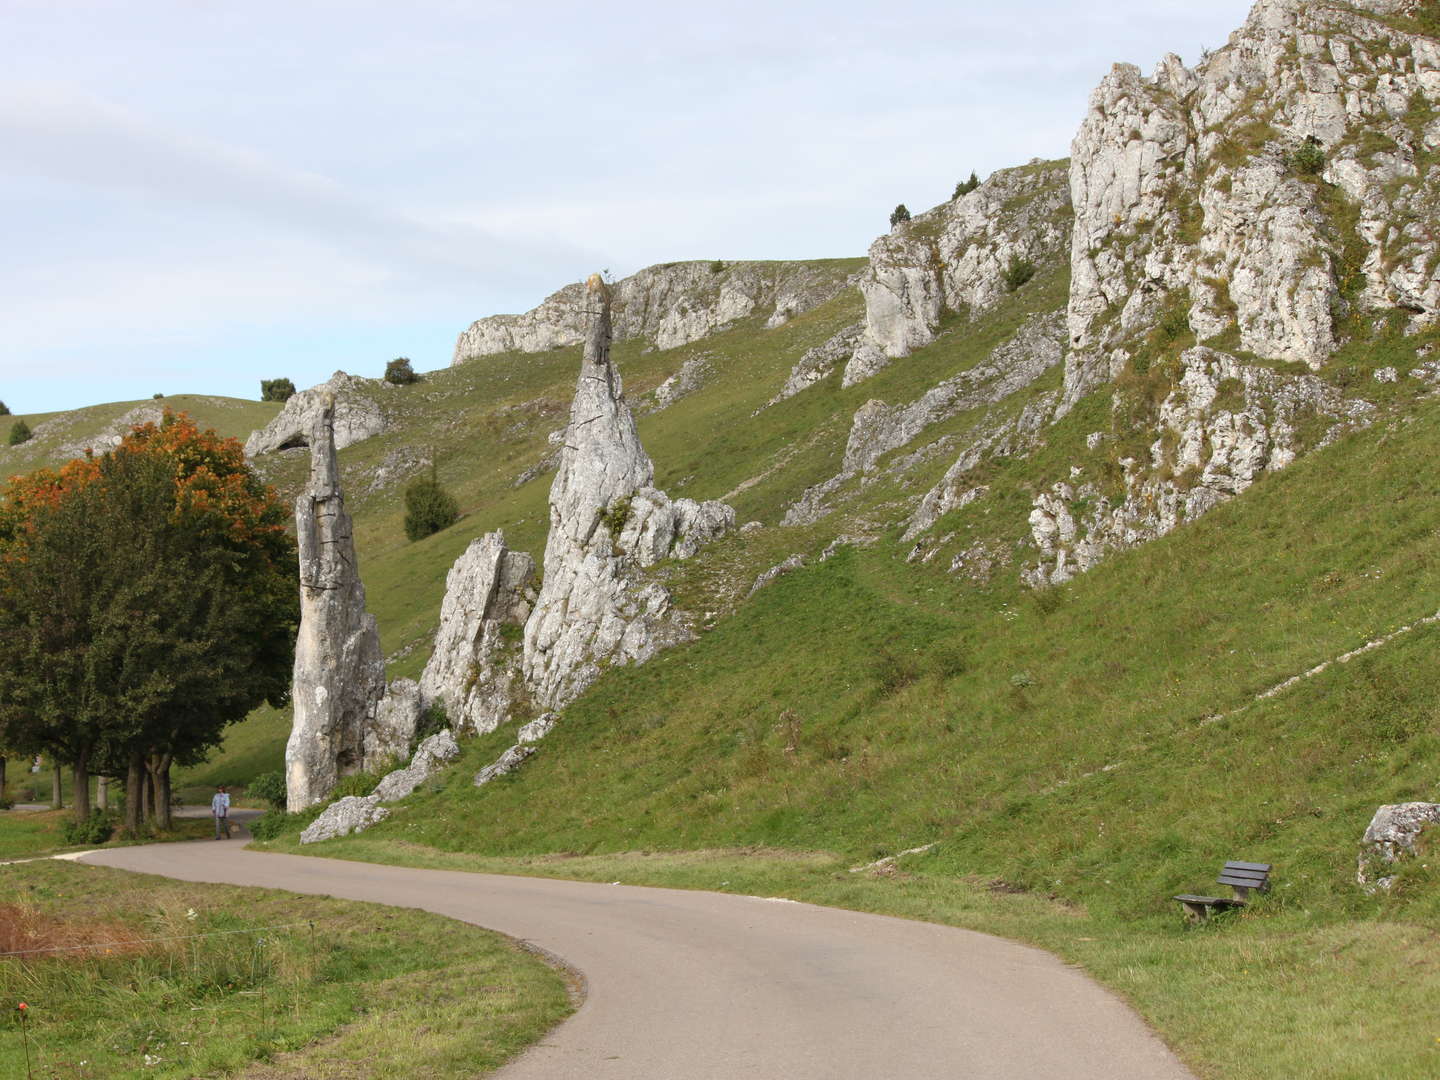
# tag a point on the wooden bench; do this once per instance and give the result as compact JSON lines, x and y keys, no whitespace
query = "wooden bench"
{"x":1243,"y":879}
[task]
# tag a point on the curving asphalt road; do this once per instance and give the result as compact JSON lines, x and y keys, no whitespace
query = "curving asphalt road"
{"x":705,"y":986}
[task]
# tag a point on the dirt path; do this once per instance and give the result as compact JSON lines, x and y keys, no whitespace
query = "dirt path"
{"x":704,"y":986}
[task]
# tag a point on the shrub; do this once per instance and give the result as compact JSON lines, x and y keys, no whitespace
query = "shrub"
{"x":1018,"y":272}
{"x":157,"y":397}
{"x":19,"y":433}
{"x":276,"y":389}
{"x":718,"y":266}
{"x":399,"y":372}
{"x":271,"y":824}
{"x":432,"y":721}
{"x":4,"y":409}
{"x":1307,"y":159}
{"x":269,"y":786}
{"x":899,"y":214}
{"x":964,"y":187}
{"x":428,"y":507}
{"x":95,"y":829}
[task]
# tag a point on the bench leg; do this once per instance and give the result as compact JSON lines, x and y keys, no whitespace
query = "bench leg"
{"x":1196,"y":913}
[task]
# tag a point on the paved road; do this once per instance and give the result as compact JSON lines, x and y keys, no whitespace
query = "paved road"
{"x":704,"y":986}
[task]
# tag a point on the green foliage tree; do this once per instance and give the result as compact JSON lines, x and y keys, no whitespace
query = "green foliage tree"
{"x":899,"y":214}
{"x":964,"y":187}
{"x":276,"y":389}
{"x":19,"y":433}
{"x":428,"y":507}
{"x":147,"y":600}
{"x":399,"y":372}
{"x":269,"y":786}
{"x":4,"y":409}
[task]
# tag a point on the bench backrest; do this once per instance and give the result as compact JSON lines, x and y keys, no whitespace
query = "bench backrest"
{"x":1244,"y":876}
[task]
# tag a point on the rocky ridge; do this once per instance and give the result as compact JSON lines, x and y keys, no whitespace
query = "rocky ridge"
{"x":356,"y":416}
{"x":667,"y":305}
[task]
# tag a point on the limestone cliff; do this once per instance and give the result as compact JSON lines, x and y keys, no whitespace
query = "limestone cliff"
{"x":1284,"y":182}
{"x":667,"y":305}
{"x":607,"y":523}
{"x":339,"y":671}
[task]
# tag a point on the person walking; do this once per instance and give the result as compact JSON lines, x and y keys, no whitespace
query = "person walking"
{"x":220,"y":811}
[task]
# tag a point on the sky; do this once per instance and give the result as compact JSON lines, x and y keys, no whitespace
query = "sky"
{"x":198,"y":195}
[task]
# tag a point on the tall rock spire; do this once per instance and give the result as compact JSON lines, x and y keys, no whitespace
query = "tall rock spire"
{"x":607,"y":522}
{"x":339,"y":671}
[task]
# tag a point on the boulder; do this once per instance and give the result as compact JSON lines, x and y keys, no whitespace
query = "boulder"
{"x":506,"y":763}
{"x":1390,"y":837}
{"x":430,"y":757}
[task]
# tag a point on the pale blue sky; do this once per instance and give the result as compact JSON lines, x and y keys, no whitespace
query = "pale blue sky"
{"x":195,"y":196}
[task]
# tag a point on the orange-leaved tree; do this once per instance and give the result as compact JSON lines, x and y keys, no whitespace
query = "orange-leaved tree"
{"x":147,"y":599}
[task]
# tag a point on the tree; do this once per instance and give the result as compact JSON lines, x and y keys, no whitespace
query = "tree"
{"x":898,"y":215}
{"x":4,"y":409}
{"x":276,"y":389}
{"x":147,"y":600}
{"x":964,"y":187}
{"x":428,"y":507}
{"x":399,"y":372}
{"x":19,"y":433}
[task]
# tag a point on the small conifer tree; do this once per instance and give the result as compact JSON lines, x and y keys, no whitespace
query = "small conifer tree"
{"x":19,"y":433}
{"x":4,"y":409}
{"x":964,"y":187}
{"x":899,"y":214}
{"x":428,"y":507}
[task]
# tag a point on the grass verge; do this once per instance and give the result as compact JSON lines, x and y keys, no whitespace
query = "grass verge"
{"x":204,"y":980}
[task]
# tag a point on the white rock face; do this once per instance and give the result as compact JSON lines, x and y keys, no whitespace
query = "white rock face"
{"x":474,"y":670}
{"x":538,"y":728}
{"x":779,"y":570}
{"x":1390,"y":837}
{"x":356,"y":416}
{"x":396,"y":718}
{"x":607,"y":522}
{"x":1196,"y":180}
{"x":668,"y":305}
{"x":1224,"y":425}
{"x":956,"y":256}
{"x":352,"y":814}
{"x":339,"y":671}
{"x":430,"y":757}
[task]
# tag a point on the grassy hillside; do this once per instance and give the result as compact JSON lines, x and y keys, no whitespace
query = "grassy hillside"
{"x":1075,"y":756}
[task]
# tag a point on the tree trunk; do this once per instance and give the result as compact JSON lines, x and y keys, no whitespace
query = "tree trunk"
{"x":57,"y":799}
{"x":102,"y":792}
{"x":81,"y":793}
{"x":147,"y":784}
{"x":134,"y":791}
{"x":158,"y":768}
{"x":3,"y":763}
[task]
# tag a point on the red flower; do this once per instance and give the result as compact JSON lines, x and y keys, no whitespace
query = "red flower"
{"x":23,"y":1006}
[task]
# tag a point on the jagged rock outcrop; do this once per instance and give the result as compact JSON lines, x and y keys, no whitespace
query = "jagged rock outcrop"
{"x":356,"y":416}
{"x":430,"y":757}
{"x":878,"y":428}
{"x":1389,"y":838}
{"x":779,"y":570}
{"x":356,"y":813}
{"x":607,"y":523}
{"x":1223,"y":425}
{"x":816,"y":364}
{"x":474,"y":669}
{"x":1283,"y":185}
{"x":538,"y":728}
{"x":668,"y":305}
{"x":505,"y":764}
{"x":352,"y":814}
{"x":691,"y":377}
{"x":339,"y":670}
{"x":963,"y":255}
